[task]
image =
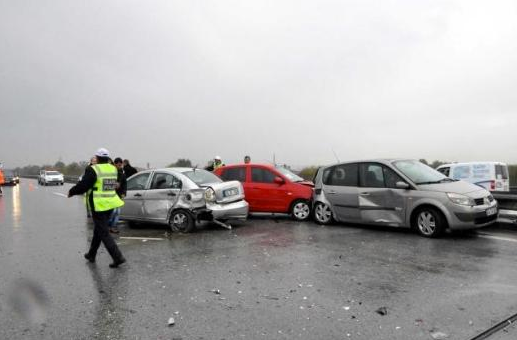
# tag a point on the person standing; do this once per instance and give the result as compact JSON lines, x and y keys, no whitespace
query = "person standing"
{"x":93,"y":161}
{"x":2,"y":181}
{"x":128,"y":169}
{"x":100,"y":183}
{"x":121,"y":192}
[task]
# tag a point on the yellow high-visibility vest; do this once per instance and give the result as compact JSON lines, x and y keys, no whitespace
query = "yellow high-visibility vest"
{"x":104,"y":195}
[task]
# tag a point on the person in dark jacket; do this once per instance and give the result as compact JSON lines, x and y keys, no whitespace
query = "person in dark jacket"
{"x":102,"y":200}
{"x":121,"y":192}
{"x":128,"y":169}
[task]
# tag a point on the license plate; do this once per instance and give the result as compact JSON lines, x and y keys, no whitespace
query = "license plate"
{"x":230,"y":192}
{"x":491,"y":211}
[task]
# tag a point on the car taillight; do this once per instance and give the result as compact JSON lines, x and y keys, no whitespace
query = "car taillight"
{"x":492,"y":185}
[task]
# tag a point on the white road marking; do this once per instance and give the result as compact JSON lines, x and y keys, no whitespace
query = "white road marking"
{"x":142,"y":238}
{"x":60,"y":194}
{"x":499,"y":238}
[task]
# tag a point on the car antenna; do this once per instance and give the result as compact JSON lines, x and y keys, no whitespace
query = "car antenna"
{"x":335,"y":155}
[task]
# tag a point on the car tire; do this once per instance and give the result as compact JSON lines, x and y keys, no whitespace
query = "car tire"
{"x":429,"y":222}
{"x":322,"y":213}
{"x":182,"y":221}
{"x":131,"y":224}
{"x":300,"y":210}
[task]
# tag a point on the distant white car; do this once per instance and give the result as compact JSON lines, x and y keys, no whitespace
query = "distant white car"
{"x":492,"y":176}
{"x":47,"y":177}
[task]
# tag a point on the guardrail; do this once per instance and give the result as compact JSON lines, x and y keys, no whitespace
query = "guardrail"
{"x":68,"y":179}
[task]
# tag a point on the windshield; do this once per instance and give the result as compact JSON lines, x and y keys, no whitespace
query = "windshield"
{"x":53,"y":173}
{"x":420,"y":173}
{"x":202,"y":177}
{"x":289,"y":174}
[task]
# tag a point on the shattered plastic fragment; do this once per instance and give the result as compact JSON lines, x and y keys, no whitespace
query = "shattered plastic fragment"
{"x":171,"y":321}
{"x":382,"y":311}
{"x":439,"y":336}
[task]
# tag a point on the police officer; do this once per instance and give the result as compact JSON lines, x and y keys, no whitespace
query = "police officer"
{"x":100,"y":182}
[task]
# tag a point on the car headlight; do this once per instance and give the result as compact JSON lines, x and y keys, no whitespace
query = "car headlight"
{"x":210,"y":195}
{"x":460,"y":199}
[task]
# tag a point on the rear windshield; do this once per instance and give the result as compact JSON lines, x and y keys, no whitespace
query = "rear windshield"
{"x":53,"y":173}
{"x":202,"y":177}
{"x":502,"y":171}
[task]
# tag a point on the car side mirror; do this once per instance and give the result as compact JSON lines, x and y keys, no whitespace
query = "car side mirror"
{"x":402,"y":185}
{"x":279,"y":180}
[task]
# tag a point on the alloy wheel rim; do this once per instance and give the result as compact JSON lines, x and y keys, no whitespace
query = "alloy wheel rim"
{"x":301,"y":210}
{"x":179,"y":221}
{"x":323,"y":213}
{"x":426,"y":223}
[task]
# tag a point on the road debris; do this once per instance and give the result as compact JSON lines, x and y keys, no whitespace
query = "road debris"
{"x":439,"y":335}
{"x":216,"y":291}
{"x":382,"y":311}
{"x":270,"y":297}
{"x":171,"y":321}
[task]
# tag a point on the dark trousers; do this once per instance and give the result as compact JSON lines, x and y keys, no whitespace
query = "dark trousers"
{"x":101,"y":234}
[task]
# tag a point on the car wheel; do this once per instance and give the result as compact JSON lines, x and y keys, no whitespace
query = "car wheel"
{"x":429,"y":222}
{"x":300,"y":210}
{"x":322,"y":213}
{"x":181,"y":221}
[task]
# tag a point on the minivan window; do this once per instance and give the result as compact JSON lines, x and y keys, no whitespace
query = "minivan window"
{"x":341,"y":175}
{"x":234,"y":174}
{"x":420,"y":173}
{"x":372,"y":175}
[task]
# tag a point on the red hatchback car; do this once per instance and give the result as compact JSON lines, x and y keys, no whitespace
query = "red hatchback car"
{"x":269,"y":188}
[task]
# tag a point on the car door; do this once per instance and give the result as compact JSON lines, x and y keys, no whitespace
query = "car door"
{"x":162,"y":195}
{"x":380,"y":202}
{"x":264,"y":195}
{"x":133,"y":208}
{"x":340,"y":188}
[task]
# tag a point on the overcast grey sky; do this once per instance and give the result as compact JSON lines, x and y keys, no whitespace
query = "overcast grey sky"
{"x":154,"y":81}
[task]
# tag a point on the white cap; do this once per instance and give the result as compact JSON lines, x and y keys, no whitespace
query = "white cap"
{"x":217,"y":158}
{"x":102,"y":153}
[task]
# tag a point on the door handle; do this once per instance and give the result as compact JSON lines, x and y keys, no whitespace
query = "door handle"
{"x":365,"y":194}
{"x":332,"y":192}
{"x":137,"y":195}
{"x":171,"y":194}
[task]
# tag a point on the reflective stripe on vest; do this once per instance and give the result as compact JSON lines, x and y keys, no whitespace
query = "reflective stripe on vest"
{"x":104,"y":195}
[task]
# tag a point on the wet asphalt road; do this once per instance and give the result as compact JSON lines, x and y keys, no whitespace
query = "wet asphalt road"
{"x":278,"y":279}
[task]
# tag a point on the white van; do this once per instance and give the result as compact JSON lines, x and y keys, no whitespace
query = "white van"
{"x":492,"y":176}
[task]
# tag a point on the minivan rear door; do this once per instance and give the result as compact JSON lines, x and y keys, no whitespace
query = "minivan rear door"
{"x":340,"y":188}
{"x":380,"y":202}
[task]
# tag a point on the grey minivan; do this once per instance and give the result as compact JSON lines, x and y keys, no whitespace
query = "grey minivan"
{"x":400,"y":193}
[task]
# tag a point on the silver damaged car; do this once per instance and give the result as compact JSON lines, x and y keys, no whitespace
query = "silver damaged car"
{"x":180,"y":197}
{"x":400,"y":193}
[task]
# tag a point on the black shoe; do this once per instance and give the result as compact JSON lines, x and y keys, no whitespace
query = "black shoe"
{"x":117,"y":263}
{"x":89,"y":258}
